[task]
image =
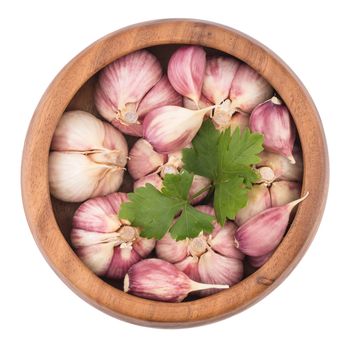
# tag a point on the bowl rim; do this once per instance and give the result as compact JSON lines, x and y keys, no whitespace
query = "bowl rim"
{"x":35,"y":189}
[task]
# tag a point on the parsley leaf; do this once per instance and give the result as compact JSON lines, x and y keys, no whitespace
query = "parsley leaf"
{"x":226,"y":159}
{"x":154,"y":211}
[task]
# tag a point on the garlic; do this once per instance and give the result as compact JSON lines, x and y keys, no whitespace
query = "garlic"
{"x":258,"y":261}
{"x":171,"y":128}
{"x":273,"y":120}
{"x":267,"y":175}
{"x":283,"y":192}
{"x":198,"y":184}
{"x":263,"y":232}
{"x":219,"y":73}
{"x":248,"y":89}
{"x":239,"y":120}
{"x":121,"y":87}
{"x":258,"y":200}
{"x":203,"y":103}
{"x":144,"y":159}
{"x":153,"y":179}
{"x":186,"y":71}
{"x":281,"y":166}
{"x":88,"y":158}
{"x":107,"y":245}
{"x":207,"y":257}
{"x":159,"y":280}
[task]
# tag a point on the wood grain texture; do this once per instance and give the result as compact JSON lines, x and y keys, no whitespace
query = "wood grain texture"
{"x":59,"y":95}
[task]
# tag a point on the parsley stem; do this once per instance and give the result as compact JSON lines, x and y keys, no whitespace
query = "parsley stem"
{"x":197,"y":194}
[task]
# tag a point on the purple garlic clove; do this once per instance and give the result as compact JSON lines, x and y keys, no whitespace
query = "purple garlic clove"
{"x":258,"y":261}
{"x":283,"y":192}
{"x":198,"y":184}
{"x":186,"y":71}
{"x":258,"y":200}
{"x":153,"y":179}
{"x":273,"y":120}
{"x":248,"y":89}
{"x":203,"y":103}
{"x":263,"y":232}
{"x":171,"y":250}
{"x":144,"y":159}
{"x":189,"y":266}
{"x":171,"y":128}
{"x":219,"y":73}
{"x":157,"y":279}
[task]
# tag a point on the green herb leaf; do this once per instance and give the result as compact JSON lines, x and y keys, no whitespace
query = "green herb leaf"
{"x":226,"y":159}
{"x":154,"y":211}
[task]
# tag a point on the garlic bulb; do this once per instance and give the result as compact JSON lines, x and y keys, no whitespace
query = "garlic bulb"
{"x":267,"y":175}
{"x":283,"y":192}
{"x":263,"y":232}
{"x":281,"y":166}
{"x":170,"y":128}
{"x":258,"y":200}
{"x":107,"y":245}
{"x":248,"y":89}
{"x":159,"y":280}
{"x":88,"y":158}
{"x":209,"y":258}
{"x":186,"y":71}
{"x":130,"y":87}
{"x":273,"y":120}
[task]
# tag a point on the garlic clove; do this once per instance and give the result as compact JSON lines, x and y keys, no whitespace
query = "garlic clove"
{"x":99,"y":214}
{"x":171,"y":128}
{"x":186,"y":71}
{"x":219,"y":73}
{"x":282,"y":167}
{"x":78,"y":131}
{"x":267,"y":175}
{"x":273,"y":120}
{"x":144,"y":159}
{"x":130,"y":129}
{"x":143,"y":246}
{"x":258,"y":200}
{"x":258,"y":261}
{"x":203,"y":103}
{"x":189,"y":266}
{"x":111,"y":181}
{"x":199,"y":183}
{"x":162,"y":94}
{"x":81,"y":238}
{"x":171,"y":250}
{"x":239,"y":120}
{"x":217,"y":269}
{"x":159,"y":280}
{"x":283,"y":192}
{"x":263,"y":232}
{"x":123,"y":258}
{"x":248,"y":89}
{"x":153,"y":179}
{"x":122,"y":85}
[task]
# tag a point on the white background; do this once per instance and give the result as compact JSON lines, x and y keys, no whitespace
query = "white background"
{"x":309,"y":310}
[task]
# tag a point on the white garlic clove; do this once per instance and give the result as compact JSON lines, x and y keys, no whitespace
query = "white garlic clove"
{"x":162,"y":94}
{"x":219,"y":73}
{"x":171,"y":250}
{"x":258,"y":200}
{"x":186,"y":71}
{"x":198,"y":184}
{"x":217,"y":269}
{"x":159,"y":280}
{"x":171,"y":128}
{"x":143,"y":246}
{"x":248,"y":89}
{"x":273,"y":120}
{"x":283,"y":192}
{"x":99,"y":214}
{"x":122,"y":85}
{"x":189,"y":266}
{"x":153,"y":179}
{"x":144,"y":159}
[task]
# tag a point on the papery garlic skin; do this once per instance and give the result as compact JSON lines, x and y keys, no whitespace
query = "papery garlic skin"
{"x":121,"y":87}
{"x":219,"y":73}
{"x":273,"y":120}
{"x":281,"y":166}
{"x":107,"y":245}
{"x":88,"y":159}
{"x":157,"y":279}
{"x":263,"y":232}
{"x":170,"y":128}
{"x":258,"y":200}
{"x":283,"y":192}
{"x":248,"y":89}
{"x":144,"y":159}
{"x":186,"y":71}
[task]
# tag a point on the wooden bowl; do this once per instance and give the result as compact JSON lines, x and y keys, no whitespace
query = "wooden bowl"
{"x":50,"y":219}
